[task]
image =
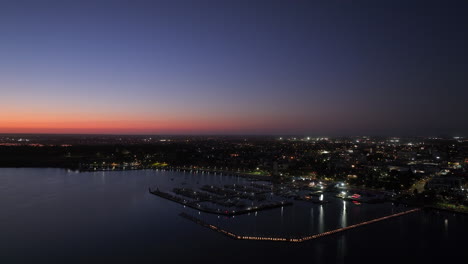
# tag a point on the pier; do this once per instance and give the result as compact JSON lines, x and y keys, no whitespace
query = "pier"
{"x":197,"y":206}
{"x":294,"y":239}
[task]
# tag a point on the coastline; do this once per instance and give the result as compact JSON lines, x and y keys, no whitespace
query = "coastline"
{"x":227,"y":173}
{"x":439,"y":208}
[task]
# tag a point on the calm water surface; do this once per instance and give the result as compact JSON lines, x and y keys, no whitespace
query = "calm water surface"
{"x":60,"y":216}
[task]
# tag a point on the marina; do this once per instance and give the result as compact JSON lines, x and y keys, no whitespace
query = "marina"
{"x":219,"y":211}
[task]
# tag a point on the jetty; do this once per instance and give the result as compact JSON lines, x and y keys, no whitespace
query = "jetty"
{"x":196,"y":205}
{"x":292,"y":239}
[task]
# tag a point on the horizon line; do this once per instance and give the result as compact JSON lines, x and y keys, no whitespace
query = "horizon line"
{"x":240,"y":135}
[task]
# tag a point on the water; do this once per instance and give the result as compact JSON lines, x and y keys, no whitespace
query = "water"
{"x":59,"y":216}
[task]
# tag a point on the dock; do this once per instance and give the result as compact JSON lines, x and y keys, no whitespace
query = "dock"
{"x":197,"y":206}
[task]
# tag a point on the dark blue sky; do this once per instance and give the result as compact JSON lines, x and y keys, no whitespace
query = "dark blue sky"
{"x":230,"y":67}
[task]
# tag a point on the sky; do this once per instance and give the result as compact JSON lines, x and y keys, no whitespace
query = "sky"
{"x":234,"y":67}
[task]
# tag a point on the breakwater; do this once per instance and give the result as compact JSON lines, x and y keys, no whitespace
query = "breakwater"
{"x":292,"y":239}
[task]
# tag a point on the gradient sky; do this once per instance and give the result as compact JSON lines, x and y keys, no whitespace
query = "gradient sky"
{"x":234,"y":67}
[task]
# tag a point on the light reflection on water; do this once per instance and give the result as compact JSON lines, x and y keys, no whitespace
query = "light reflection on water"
{"x":321,"y":220}
{"x":343,"y":215}
{"x":53,"y":213}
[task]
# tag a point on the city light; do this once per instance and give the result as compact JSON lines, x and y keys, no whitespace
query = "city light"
{"x":121,"y":122}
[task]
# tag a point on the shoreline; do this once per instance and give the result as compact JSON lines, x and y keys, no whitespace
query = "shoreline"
{"x":184,"y":169}
{"x":436,"y":208}
{"x":227,"y":173}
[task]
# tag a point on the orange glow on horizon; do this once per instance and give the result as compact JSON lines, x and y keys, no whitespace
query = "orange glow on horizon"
{"x":113,"y":125}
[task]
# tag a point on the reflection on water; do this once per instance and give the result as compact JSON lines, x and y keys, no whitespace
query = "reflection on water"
{"x":52,"y":214}
{"x":341,"y":249}
{"x":343,"y":215}
{"x":282,"y":218}
{"x":321,"y":223}
{"x":311,"y":220}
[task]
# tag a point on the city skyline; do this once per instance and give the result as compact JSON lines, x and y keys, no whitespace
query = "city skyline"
{"x":234,"y":67}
